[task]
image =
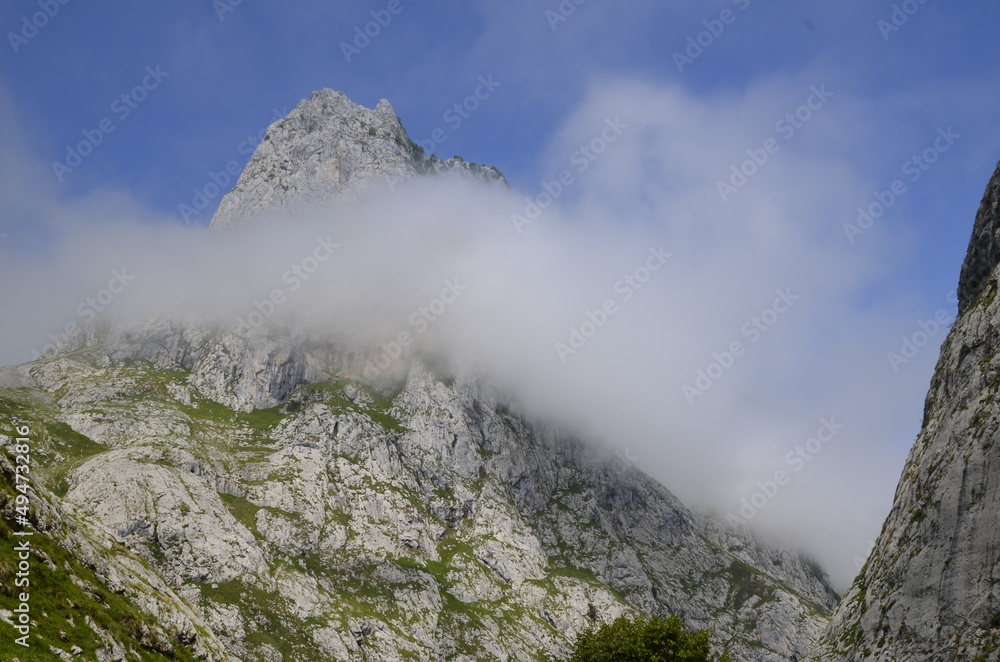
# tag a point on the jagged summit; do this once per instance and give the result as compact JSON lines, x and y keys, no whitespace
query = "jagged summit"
{"x":328,"y":148}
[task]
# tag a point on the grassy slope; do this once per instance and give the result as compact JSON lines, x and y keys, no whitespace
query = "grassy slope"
{"x":65,"y":596}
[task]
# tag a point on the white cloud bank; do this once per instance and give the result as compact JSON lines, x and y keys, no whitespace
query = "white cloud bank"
{"x":711,"y":330}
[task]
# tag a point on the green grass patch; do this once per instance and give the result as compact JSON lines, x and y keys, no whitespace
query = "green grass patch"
{"x":331,"y":393}
{"x":61,"y":605}
{"x":572,"y":572}
{"x":746,"y":583}
{"x":48,"y":438}
{"x":262,"y":420}
{"x":207,"y":412}
{"x":275,"y":627}
{"x":76,"y":448}
{"x":244,"y":511}
{"x":11,"y":410}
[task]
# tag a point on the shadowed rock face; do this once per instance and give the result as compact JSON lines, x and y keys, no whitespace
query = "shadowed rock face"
{"x":984,"y":247}
{"x":931,"y":589}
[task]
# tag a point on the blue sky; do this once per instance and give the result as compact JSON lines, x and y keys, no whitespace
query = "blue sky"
{"x":226,"y":77}
{"x":225,"y":69}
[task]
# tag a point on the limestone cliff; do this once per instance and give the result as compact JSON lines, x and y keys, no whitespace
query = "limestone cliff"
{"x":430,"y":519}
{"x":930,"y":591}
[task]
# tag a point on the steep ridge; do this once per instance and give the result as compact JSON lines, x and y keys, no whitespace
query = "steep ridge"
{"x":300,"y":513}
{"x":930,"y":592}
{"x":984,"y":247}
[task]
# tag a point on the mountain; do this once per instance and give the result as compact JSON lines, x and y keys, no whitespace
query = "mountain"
{"x":248,"y":495}
{"x":930,"y":590}
{"x":329,"y":148}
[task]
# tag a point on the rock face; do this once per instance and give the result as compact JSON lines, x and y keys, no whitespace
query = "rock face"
{"x":289,"y":510}
{"x":984,"y":247}
{"x":90,"y":595}
{"x":329,"y":148}
{"x":431,"y":521}
{"x":931,"y":588}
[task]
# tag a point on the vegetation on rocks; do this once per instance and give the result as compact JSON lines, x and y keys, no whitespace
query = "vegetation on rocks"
{"x":644,"y":640}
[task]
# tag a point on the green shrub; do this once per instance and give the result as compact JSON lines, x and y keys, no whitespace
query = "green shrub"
{"x":644,"y":640}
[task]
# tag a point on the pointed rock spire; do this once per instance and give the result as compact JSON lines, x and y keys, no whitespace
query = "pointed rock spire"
{"x":329,"y":148}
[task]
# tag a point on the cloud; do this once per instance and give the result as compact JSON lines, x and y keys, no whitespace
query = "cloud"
{"x":600,"y":296}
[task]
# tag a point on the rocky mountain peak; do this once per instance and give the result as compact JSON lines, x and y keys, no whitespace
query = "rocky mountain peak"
{"x":330,"y":148}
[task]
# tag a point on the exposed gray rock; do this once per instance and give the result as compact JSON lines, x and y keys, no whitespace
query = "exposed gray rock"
{"x":95,"y":547}
{"x":931,"y":589}
{"x":330,"y":149}
{"x":406,"y":512}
